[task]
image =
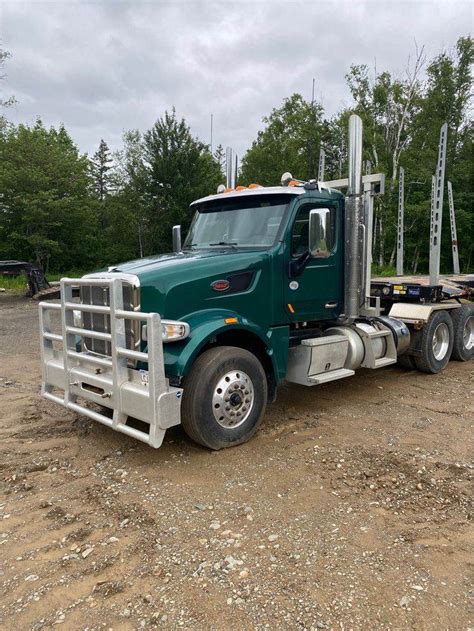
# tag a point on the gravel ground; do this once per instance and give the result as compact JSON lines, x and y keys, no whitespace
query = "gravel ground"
{"x":348,"y":510}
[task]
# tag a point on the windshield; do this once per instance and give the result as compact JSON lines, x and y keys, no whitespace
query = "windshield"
{"x":245,"y":222}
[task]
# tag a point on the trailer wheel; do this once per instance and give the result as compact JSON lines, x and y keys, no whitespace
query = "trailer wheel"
{"x":436,"y":343}
{"x":463,"y":323}
{"x":224,"y":397}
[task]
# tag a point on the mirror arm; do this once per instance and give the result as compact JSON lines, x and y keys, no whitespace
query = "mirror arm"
{"x":296,"y":266}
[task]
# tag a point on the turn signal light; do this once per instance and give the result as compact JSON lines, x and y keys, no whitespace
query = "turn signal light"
{"x":171,"y":331}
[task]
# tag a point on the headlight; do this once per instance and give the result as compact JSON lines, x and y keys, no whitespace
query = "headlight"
{"x":171,"y":331}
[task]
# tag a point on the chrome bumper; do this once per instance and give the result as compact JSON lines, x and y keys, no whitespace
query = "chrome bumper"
{"x":107,"y":380}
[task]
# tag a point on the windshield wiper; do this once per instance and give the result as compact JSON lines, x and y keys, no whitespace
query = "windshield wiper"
{"x":230,"y":243}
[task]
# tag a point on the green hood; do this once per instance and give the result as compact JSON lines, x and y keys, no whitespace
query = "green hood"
{"x":176,"y":285}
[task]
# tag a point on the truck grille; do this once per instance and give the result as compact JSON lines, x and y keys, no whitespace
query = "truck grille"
{"x":96,"y":295}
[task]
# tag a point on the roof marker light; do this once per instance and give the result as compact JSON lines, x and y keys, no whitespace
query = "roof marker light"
{"x":286,"y":178}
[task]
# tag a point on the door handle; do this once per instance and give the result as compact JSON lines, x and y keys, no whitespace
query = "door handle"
{"x":330,"y":305}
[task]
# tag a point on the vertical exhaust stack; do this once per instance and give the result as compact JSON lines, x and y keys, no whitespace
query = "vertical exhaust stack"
{"x":228,"y":167}
{"x":352,"y":297}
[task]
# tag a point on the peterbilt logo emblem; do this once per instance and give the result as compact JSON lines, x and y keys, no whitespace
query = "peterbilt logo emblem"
{"x":220,"y":285}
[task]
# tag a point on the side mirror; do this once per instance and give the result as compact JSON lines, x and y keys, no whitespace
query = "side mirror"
{"x":177,"y":239}
{"x":319,"y":229}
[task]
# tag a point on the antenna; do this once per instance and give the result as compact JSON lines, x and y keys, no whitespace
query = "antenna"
{"x":322,"y":164}
{"x":454,"y":238}
{"x":236,"y":169}
{"x":212,"y":117}
{"x":437,"y":208}
{"x":400,"y":225}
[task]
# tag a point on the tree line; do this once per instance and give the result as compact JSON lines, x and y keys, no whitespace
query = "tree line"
{"x":66,"y":210}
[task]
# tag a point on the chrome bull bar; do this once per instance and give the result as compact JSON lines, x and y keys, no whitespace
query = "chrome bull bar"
{"x":108,"y":380}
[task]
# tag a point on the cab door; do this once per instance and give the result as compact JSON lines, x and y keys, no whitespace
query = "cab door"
{"x":315,"y":291}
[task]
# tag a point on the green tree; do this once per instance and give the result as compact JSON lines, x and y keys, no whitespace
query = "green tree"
{"x":101,"y":164}
{"x":219,"y":157}
{"x":46,"y":212}
{"x":289,"y":142}
{"x":4,"y":55}
{"x":181,"y":169}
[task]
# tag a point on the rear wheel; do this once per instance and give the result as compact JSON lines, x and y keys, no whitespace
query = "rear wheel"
{"x":406,"y":361}
{"x":463,"y":323}
{"x":224,"y":397}
{"x":436,"y":343}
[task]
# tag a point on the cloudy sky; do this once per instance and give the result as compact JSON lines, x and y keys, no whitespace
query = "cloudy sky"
{"x":104,"y":67}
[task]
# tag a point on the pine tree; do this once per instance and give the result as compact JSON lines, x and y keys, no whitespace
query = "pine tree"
{"x":219,"y":157}
{"x":181,"y":170}
{"x":101,"y":164}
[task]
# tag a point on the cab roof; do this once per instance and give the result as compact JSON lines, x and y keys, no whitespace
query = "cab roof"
{"x":267,"y":190}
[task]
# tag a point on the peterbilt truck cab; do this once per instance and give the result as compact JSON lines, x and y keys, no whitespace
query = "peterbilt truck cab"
{"x":270,"y":283}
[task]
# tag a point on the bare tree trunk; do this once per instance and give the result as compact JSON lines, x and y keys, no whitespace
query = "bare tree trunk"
{"x":381,"y":245}
{"x":140,"y":239}
{"x":416,"y":258}
{"x":392,"y":256}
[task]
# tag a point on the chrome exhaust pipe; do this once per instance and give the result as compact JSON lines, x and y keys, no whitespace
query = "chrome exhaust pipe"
{"x":353,"y":262}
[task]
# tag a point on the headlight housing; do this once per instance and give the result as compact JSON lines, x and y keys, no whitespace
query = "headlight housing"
{"x":172,"y":331}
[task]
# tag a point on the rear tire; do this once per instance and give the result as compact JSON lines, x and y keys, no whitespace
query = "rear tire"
{"x":463,"y":323}
{"x":224,"y":397}
{"x":436,"y":343}
{"x":407,"y":362}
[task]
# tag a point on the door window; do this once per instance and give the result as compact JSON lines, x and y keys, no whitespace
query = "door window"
{"x":300,"y":232}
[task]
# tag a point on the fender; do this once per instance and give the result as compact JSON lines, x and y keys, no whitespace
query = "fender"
{"x":179,"y":356}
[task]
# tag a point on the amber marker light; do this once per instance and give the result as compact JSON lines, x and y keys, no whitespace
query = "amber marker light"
{"x":231,"y":320}
{"x":291,"y":308}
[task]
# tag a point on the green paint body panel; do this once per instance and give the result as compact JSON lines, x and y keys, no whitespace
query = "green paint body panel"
{"x":178,"y":287}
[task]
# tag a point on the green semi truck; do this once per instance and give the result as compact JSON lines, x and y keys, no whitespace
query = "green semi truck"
{"x":270,"y":284}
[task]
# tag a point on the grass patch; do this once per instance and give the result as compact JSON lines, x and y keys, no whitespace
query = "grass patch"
{"x":19,"y":284}
{"x":383,"y":270}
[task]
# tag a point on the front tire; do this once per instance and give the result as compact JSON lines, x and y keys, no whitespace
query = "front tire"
{"x":463,"y":323}
{"x":224,"y":397}
{"x":436,"y":343}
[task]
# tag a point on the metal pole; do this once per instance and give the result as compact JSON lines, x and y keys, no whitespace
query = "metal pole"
{"x":236,"y":169}
{"x":228,"y":167}
{"x":454,"y":237}
{"x":353,"y":214}
{"x":437,"y":209}
{"x":400,"y":224}
{"x":322,"y":164}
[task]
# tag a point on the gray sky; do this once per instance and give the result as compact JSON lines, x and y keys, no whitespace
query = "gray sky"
{"x":105,"y":67}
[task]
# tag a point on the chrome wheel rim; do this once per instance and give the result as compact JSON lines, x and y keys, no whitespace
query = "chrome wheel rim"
{"x":468,"y":333}
{"x":440,"y":341}
{"x":233,"y":399}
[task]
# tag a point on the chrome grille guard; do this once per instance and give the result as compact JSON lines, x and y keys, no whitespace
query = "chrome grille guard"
{"x":107,"y":380}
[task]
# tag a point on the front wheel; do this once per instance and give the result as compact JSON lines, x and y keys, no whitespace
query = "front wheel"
{"x":224,"y":397}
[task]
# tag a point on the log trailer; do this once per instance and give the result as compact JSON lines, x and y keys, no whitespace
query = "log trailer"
{"x":271,"y":284}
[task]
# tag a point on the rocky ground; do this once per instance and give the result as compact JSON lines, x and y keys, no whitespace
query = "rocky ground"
{"x":349,"y":509}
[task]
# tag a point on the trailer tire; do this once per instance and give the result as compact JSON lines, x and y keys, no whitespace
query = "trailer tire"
{"x":224,"y":397}
{"x":407,"y":362}
{"x":436,"y":343}
{"x":463,"y":323}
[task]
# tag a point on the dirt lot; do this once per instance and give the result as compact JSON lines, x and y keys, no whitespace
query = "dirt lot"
{"x":349,"y":510}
